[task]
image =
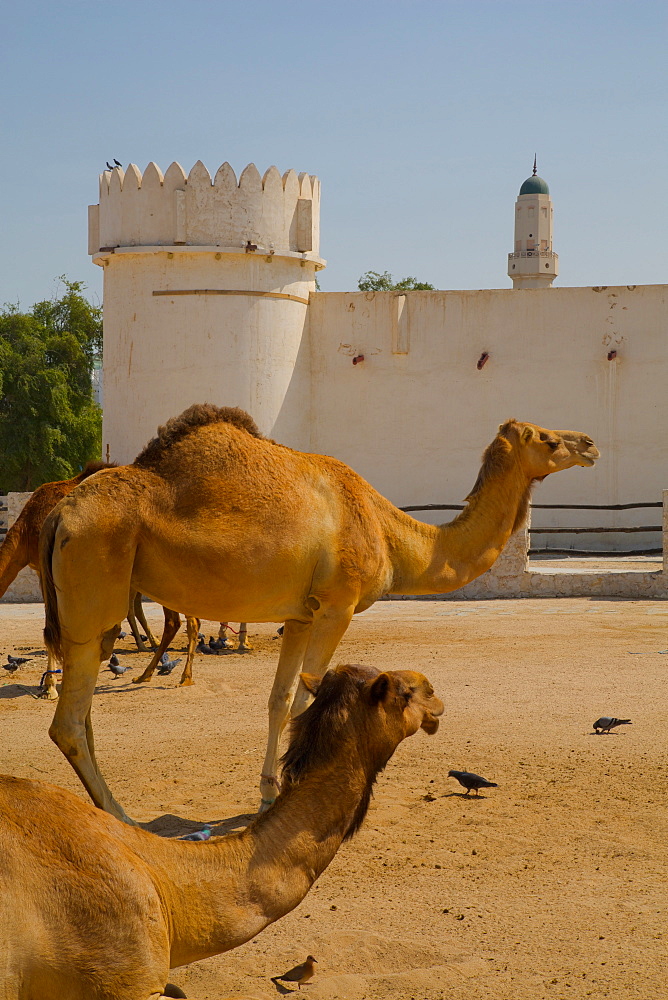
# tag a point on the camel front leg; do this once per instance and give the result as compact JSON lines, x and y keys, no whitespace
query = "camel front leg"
{"x":328,"y":630}
{"x":71,"y":729}
{"x":293,"y":646}
{"x":172,"y":625}
{"x":141,"y":617}
{"x":222,"y":634}
{"x":134,"y":602}
{"x":244,"y":645}
{"x":192,"y":628}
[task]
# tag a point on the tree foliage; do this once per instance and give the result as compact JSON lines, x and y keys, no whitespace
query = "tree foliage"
{"x":372,"y":281}
{"x":50,"y":425}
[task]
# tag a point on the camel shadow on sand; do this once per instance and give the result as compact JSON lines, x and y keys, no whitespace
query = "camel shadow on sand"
{"x":171,"y":826}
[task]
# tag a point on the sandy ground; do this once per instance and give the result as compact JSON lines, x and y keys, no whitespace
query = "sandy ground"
{"x":554,"y":884}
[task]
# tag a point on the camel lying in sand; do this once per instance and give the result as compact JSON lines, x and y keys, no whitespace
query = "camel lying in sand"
{"x":216,"y":520}
{"x":93,"y":909}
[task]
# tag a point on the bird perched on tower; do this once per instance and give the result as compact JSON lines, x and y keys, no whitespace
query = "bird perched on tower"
{"x":468,"y":780}
{"x":607,"y":723}
{"x":300,"y":974}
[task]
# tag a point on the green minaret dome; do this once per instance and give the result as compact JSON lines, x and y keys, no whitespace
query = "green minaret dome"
{"x":534,"y":185}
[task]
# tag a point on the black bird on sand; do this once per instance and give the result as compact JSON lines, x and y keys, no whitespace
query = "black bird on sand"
{"x":468,"y":780}
{"x":202,"y":647}
{"x":166,"y":666}
{"x":607,"y":723}
{"x":117,"y":670}
{"x":18,"y":660}
{"x":300,"y":974}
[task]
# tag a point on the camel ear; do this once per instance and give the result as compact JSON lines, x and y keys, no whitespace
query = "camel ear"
{"x":379,"y":688}
{"x":527,"y":434}
{"x":310,"y":682}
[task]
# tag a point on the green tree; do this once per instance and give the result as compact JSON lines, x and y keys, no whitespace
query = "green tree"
{"x":50,"y":425}
{"x":372,"y":281}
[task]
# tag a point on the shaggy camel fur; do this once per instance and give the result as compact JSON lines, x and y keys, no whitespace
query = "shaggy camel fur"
{"x":218,"y":521}
{"x":92,"y":909}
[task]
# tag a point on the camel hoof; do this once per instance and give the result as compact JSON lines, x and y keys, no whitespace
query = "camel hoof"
{"x":244,"y":649}
{"x":49,"y":695}
{"x":141,"y":680}
{"x":187,"y":682}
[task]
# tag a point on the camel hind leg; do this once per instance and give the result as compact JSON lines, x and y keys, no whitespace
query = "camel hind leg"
{"x":72,"y":730}
{"x":192,"y":628}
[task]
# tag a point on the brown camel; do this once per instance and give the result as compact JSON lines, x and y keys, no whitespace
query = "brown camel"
{"x":21,"y":545}
{"x":92,"y":909}
{"x":21,"y":549}
{"x":218,"y":521}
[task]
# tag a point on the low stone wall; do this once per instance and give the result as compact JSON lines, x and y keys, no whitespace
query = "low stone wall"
{"x":510,"y":576}
{"x":25,"y":589}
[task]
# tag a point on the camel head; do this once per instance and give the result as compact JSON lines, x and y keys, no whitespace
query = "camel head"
{"x":541,"y":452}
{"x":581,"y":447}
{"x":387,"y":707}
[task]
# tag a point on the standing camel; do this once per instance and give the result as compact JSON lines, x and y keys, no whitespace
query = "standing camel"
{"x":21,"y":548}
{"x":21,"y":545}
{"x":216,"y":520}
{"x":92,"y":909}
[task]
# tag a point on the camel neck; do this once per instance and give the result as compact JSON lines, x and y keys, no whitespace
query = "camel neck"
{"x":436,"y":560}
{"x":221,"y":893}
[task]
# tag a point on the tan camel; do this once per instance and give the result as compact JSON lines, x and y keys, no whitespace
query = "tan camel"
{"x":21,"y":545}
{"x":92,"y":909}
{"x":218,"y":521}
{"x":21,"y":548}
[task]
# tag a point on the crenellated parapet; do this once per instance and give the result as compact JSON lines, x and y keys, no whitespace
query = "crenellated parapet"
{"x":270,"y":214}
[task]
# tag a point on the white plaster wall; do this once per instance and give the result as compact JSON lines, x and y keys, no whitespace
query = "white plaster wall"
{"x":163,"y":353}
{"x":415,"y":424}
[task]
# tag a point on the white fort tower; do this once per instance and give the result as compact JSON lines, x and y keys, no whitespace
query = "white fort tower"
{"x":533,"y":264}
{"x":206,"y":289}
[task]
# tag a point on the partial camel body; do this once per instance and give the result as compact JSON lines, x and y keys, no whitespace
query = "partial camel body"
{"x":21,"y":549}
{"x":93,"y":909}
{"x":21,"y":545}
{"x":222,"y":523}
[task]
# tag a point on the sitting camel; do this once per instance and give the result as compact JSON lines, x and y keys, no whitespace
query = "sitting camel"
{"x":216,"y":520}
{"x":92,"y":909}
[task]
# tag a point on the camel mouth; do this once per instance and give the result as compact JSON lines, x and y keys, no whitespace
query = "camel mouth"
{"x":587,"y":460}
{"x":430,"y":724}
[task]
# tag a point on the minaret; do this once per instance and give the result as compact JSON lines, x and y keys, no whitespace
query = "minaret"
{"x":533,"y":264}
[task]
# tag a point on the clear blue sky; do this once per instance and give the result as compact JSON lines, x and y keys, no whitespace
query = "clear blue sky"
{"x":420,"y":118}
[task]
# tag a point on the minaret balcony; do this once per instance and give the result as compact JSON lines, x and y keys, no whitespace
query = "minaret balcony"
{"x":534,"y":253}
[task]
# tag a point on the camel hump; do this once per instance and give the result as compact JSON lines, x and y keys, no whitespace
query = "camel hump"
{"x":197,"y":415}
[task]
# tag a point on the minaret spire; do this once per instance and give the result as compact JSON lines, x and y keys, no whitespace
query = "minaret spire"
{"x":534,"y":165}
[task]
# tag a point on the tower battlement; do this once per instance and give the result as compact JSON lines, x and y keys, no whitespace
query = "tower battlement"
{"x":272,"y":214}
